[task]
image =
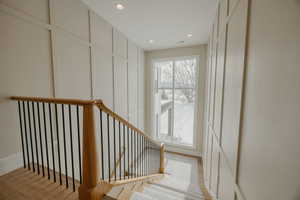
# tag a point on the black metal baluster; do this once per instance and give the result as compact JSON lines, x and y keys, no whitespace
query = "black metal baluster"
{"x":145,"y":157}
{"x":58,"y":145}
{"x":52,"y":146}
{"x":71,"y":140}
{"x":136,"y":145}
{"x":79,"y":145}
{"x":46,"y":140}
{"x":30,"y":136}
{"x":142,"y":154}
{"x":139,"y":154}
{"x":115,"y":158}
{"x":128,"y":152}
{"x":148,"y":157}
{"x":108,"y":146}
{"x":102,"y":142}
{"x":132,"y":158}
{"x":21,"y":129}
{"x":26,"y":137}
{"x":134,"y":152}
{"x":120,"y":152}
{"x":124,"y":151}
{"x":145,"y":149}
{"x":35,"y":138}
{"x":65,"y":148}
{"x":40,"y":134}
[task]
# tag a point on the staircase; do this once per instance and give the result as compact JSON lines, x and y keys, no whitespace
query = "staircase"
{"x":175,"y":185}
{"x":92,"y":152}
{"x":167,"y":188}
{"x":72,"y":141}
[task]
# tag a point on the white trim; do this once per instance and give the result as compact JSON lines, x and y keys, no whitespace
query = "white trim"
{"x":10,"y":163}
{"x":182,"y":150}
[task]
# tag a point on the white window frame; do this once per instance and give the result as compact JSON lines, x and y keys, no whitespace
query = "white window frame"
{"x":196,"y":112}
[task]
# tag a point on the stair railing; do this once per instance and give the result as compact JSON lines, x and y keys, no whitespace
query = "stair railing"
{"x":62,"y":139}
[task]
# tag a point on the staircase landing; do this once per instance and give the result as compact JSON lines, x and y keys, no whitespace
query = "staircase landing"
{"x":183,"y":181}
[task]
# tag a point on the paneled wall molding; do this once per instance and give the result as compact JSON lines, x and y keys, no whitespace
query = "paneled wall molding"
{"x":49,"y":26}
{"x":232,"y":172}
{"x":226,"y":24}
{"x":23,"y":16}
{"x":52,"y":43}
{"x":61,"y":48}
{"x":124,"y":59}
{"x":91,"y":54}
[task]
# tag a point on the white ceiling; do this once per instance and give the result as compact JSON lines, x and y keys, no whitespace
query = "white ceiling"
{"x":165,"y":21}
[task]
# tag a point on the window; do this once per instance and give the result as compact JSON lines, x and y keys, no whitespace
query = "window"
{"x":175,"y":94}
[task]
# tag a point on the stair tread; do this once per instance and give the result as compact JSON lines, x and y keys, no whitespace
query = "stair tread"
{"x":180,"y":186}
{"x":177,"y":194}
{"x":141,"y":196}
{"x":160,"y":195}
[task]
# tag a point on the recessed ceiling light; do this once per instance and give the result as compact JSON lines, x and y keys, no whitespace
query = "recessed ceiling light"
{"x":151,"y":41}
{"x":120,"y":6}
{"x":190,"y":35}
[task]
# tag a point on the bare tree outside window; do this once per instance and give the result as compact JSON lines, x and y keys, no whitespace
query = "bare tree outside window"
{"x":185,"y":79}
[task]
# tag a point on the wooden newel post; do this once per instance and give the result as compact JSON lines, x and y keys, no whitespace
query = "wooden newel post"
{"x":88,"y":189}
{"x":162,"y":158}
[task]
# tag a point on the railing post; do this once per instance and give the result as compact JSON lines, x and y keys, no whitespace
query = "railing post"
{"x":91,"y":167}
{"x":162,"y":158}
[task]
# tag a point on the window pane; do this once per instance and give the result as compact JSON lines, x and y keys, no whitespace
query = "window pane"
{"x":184,"y":100}
{"x":185,"y":73}
{"x":166,"y":97}
{"x":165,"y":74}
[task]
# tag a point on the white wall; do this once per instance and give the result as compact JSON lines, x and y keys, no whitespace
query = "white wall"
{"x":252,"y":105}
{"x":61,"y":48}
{"x":199,"y":50}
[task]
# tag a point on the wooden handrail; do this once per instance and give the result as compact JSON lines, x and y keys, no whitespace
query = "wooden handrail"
{"x":104,"y":108}
{"x":55,"y":100}
{"x":99,"y":103}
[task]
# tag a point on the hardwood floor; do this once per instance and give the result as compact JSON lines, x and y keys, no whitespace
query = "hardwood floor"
{"x":23,"y":184}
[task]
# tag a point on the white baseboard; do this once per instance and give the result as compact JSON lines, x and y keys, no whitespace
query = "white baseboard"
{"x":11,"y":163}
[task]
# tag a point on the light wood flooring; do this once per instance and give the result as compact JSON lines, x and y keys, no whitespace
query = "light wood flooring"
{"x":23,"y":184}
